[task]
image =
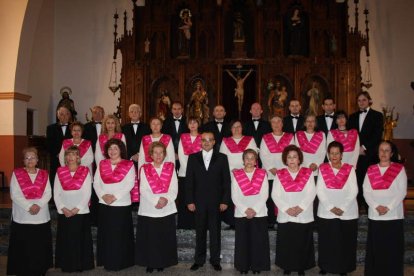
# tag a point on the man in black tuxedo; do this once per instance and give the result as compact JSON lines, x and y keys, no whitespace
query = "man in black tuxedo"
{"x":92,"y":129}
{"x":208,"y":194}
{"x":219,"y":127}
{"x":55,"y":134}
{"x":327,"y":121}
{"x":294,"y":121}
{"x":256,"y":127}
{"x":370,"y":126}
{"x":175,"y":125}
{"x":134,"y":131}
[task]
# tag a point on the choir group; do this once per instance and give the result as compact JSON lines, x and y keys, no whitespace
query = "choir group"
{"x":305,"y":173}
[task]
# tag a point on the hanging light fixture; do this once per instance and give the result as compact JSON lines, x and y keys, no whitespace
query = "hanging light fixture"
{"x":367,"y":81}
{"x":113,"y":82}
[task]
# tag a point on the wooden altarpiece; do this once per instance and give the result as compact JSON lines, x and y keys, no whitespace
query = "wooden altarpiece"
{"x":296,"y":49}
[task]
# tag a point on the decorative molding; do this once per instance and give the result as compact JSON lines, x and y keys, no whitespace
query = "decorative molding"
{"x":15,"y":96}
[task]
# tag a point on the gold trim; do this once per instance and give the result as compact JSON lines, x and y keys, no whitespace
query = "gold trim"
{"x":14,"y":96}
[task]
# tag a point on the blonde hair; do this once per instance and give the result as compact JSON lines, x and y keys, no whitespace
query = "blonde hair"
{"x":73,"y":149}
{"x":117,"y":124}
{"x":30,"y":149}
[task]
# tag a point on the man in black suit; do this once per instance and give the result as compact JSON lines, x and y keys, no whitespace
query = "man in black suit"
{"x":327,"y":121}
{"x":55,"y":134}
{"x":256,"y":127}
{"x":208,"y":194}
{"x":370,"y":126}
{"x":219,"y":127}
{"x":92,"y":129}
{"x":294,"y":121}
{"x":175,"y":125}
{"x":134,"y":131}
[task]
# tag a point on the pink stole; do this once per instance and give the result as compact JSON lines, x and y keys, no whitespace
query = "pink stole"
{"x":103,"y":138}
{"x":273,"y":145}
{"x":188,"y":146}
{"x":31,"y":190}
{"x":348,"y":141}
{"x":383,"y":182}
{"x":70,"y":183}
{"x":159,"y":184}
{"x":147,"y":141}
{"x":311,"y":146}
{"x":118,"y":174}
{"x":333,"y":181}
{"x":237,"y":148}
{"x":297,"y":184}
{"x":248,"y":187}
{"x":83,"y":146}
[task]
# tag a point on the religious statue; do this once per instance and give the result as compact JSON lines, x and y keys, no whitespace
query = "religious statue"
{"x":314,"y":96}
{"x":389,"y":122}
{"x":239,"y":90}
{"x":296,"y":34}
{"x":67,"y":102}
{"x":198,"y":106}
{"x":277,"y":99}
{"x":164,"y":104}
{"x":238,"y":28}
{"x":147,"y":45}
{"x":185,"y":32}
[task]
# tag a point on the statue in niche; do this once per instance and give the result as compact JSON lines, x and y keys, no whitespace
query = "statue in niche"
{"x":67,"y":102}
{"x":297,"y":38}
{"x":185,"y":32}
{"x":239,"y":90}
{"x":198,"y":106}
{"x":164,"y":104}
{"x":314,"y":98}
{"x":277,"y":98}
{"x":238,"y":35}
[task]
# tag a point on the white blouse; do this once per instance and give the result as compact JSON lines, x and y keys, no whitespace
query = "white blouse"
{"x":170,"y":157}
{"x":347,"y":157}
{"x":21,"y":205}
{"x":318,"y":157}
{"x":392,"y":197}
{"x":121,"y":190}
{"x":98,"y":151}
{"x":183,"y":158}
{"x":272,"y":160}
{"x":86,"y":160}
{"x":255,"y":202}
{"x":344,"y":199}
{"x":285,"y":200}
{"x":236,"y":159}
{"x":148,"y":199}
{"x":74,"y":198}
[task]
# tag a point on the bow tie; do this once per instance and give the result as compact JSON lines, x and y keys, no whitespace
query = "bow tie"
{"x":177,"y":120}
{"x":363,"y":111}
{"x":329,"y":116}
{"x":64,"y":125}
{"x":294,"y":117}
{"x":98,"y":123}
{"x":135,"y":124}
{"x":255,"y":120}
{"x":219,"y":123}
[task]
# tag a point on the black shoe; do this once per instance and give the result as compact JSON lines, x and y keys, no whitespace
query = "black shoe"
{"x":286,"y":272}
{"x":322,"y":272}
{"x":149,"y":270}
{"x":256,"y":272}
{"x":195,"y":267}
{"x":217,"y":267}
{"x":342,"y":274}
{"x":301,"y":273}
{"x":230,"y":227}
{"x":244,"y":272}
{"x":160,"y":269}
{"x":271,"y":226}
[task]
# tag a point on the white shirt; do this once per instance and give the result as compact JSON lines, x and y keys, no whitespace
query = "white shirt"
{"x":318,"y":157}
{"x":285,"y":200}
{"x":236,"y":159}
{"x":177,"y":123}
{"x":121,"y":190}
{"x":64,"y":128}
{"x":86,"y":160}
{"x":272,"y":160}
{"x":135,"y":126}
{"x":255,"y":202}
{"x":344,"y":199}
{"x":21,"y":205}
{"x":392,"y":197}
{"x":207,"y":157}
{"x":98,"y":151}
{"x":170,"y":157}
{"x":256,"y":123}
{"x":295,"y":121}
{"x":362,"y":117}
{"x":98,"y":128}
{"x":329,"y":120}
{"x":183,"y":158}
{"x":75,"y":198}
{"x":350,"y":157}
{"x":219,"y":126}
{"x":148,"y":199}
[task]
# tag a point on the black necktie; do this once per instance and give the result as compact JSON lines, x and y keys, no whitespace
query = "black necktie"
{"x":98,"y":123}
{"x":255,"y":120}
{"x":64,"y":125}
{"x":177,"y":120}
{"x":294,"y":117}
{"x":135,"y":124}
{"x":363,"y":111}
{"x":219,"y":123}
{"x":329,"y":116}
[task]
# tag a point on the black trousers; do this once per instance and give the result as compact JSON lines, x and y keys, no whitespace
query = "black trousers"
{"x":206,"y":219}
{"x":271,"y":216}
{"x":361,"y":170}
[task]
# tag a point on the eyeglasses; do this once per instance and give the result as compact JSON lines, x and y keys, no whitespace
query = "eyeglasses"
{"x":207,"y":140}
{"x":30,"y":158}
